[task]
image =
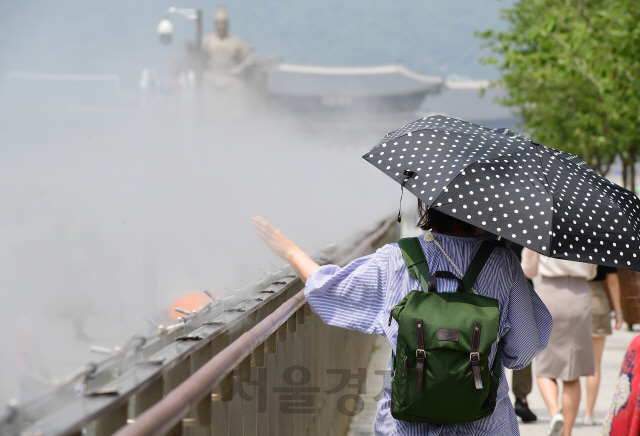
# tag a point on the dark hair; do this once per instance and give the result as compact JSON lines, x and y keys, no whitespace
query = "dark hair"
{"x":431,"y":219}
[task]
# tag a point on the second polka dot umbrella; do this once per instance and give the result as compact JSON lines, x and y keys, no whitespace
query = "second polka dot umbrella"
{"x":541,"y":198}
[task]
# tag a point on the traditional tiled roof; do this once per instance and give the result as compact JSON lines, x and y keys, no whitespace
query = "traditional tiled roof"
{"x":375,"y":81}
{"x":461,"y":99}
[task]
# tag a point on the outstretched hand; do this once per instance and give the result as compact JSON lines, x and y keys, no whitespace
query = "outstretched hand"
{"x":281,"y":246}
{"x":284,"y":248}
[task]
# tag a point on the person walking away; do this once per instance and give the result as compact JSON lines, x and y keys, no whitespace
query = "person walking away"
{"x":601,"y":328}
{"x":521,"y":386}
{"x":361,"y":296}
{"x":569,"y":355}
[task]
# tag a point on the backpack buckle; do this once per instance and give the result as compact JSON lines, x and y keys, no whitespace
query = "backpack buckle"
{"x":424,"y":354}
{"x":474,"y":357}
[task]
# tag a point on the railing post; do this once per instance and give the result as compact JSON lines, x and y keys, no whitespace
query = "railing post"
{"x":272,"y":379}
{"x":249,"y":379}
{"x":271,"y":344}
{"x":291,"y":323}
{"x":263,"y":397}
{"x":257,"y":357}
{"x":282,"y":333}
{"x":172,"y":379}
{"x":290,"y":348}
{"x":300,"y":315}
{"x":111,"y":422}
{"x":202,"y":418}
{"x":220,"y":404}
{"x":299,"y":418}
{"x":148,"y":397}
{"x":236,"y":405}
{"x":327,"y":352}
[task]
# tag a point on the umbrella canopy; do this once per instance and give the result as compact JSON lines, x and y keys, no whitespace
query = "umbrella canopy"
{"x":544,"y":199}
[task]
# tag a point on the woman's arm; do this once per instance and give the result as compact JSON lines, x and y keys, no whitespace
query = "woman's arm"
{"x":529,"y":262}
{"x":614,"y":290}
{"x":284,"y":248}
{"x":526,"y":322}
{"x":352,"y":297}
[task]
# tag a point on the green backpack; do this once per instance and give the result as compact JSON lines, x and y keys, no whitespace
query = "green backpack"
{"x":441,"y":369}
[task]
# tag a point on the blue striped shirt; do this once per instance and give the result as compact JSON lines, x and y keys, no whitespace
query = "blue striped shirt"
{"x":361,"y":296}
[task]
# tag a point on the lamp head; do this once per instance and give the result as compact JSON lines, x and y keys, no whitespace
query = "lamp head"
{"x":165,"y":30}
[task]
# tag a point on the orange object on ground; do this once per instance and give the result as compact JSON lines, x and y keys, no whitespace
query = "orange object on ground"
{"x":193,"y":301}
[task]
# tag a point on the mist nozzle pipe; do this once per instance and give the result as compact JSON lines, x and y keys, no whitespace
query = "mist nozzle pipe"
{"x":209,"y":295}
{"x":139,"y":342}
{"x":205,"y":308}
{"x":183,"y":311}
{"x":101,"y":350}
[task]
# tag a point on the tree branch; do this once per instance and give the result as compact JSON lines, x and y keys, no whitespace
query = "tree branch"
{"x":581,"y":69}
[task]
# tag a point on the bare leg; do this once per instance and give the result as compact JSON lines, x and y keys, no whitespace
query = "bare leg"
{"x":549,"y":390}
{"x":593,"y":381}
{"x":570,"y":404}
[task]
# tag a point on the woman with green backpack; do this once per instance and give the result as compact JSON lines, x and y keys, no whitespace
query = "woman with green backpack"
{"x":455,"y":309}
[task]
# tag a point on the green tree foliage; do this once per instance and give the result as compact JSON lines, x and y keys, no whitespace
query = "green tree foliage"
{"x":572,"y":70}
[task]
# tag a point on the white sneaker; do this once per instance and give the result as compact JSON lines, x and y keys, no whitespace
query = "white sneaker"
{"x":556,"y":425}
{"x":588,"y":420}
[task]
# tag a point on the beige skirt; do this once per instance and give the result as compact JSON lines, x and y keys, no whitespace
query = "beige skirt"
{"x":569,"y":354}
{"x":601,"y":310}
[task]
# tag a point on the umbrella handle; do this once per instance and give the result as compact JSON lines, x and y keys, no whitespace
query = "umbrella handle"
{"x":407,"y":175}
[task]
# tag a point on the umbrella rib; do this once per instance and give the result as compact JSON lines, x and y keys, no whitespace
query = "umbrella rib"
{"x":548,"y":189}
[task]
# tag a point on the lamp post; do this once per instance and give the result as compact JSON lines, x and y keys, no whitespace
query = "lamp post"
{"x":165,"y":31}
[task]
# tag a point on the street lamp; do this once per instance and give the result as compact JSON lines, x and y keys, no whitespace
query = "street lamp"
{"x":165,"y":31}
{"x":165,"y":28}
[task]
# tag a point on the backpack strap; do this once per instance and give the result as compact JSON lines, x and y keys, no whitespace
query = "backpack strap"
{"x":477,"y":263}
{"x":415,"y":260}
{"x":419,"y":269}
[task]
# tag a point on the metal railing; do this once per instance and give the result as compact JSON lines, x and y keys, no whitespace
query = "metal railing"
{"x":259,"y":362}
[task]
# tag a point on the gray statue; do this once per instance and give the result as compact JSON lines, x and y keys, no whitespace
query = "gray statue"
{"x":233,"y":80}
{"x":225,"y":54}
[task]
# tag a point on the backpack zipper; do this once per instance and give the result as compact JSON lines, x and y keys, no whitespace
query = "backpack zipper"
{"x":421,"y":355}
{"x":390,"y":317}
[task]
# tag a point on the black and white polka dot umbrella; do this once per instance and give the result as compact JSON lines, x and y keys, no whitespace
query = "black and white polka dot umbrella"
{"x":544,"y":199}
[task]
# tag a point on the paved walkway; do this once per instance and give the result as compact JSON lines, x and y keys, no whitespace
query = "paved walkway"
{"x":615,"y":347}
